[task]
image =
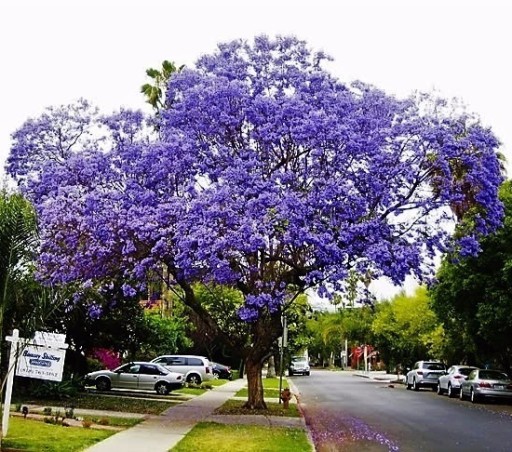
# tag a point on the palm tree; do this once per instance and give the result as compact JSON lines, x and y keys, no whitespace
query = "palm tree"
{"x":155,"y":93}
{"x":18,"y":245}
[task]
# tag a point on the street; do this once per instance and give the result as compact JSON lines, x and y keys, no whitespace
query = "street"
{"x":350,"y":413}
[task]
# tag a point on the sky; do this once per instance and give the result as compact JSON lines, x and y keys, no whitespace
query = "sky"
{"x":54,"y":52}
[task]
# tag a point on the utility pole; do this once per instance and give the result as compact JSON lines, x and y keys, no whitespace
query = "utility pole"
{"x":283,"y":344}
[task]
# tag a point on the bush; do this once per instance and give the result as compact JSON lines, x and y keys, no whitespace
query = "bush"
{"x":86,"y":423}
{"x":104,"y":421}
{"x":55,"y":390}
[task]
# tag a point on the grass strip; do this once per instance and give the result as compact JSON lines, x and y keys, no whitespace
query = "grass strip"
{"x":235,"y":407}
{"x":108,"y":403}
{"x":208,"y":436}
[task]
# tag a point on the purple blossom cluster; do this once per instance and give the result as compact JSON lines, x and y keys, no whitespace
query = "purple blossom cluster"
{"x":265,"y":173}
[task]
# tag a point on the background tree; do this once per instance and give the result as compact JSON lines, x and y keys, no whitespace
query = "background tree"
{"x":333,"y":329}
{"x":472,"y":298}
{"x":270,"y":176}
{"x":406,"y":329}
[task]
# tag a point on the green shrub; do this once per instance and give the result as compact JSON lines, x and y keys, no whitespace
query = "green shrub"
{"x":94,"y":364}
{"x":47,"y":411}
{"x":55,"y":390}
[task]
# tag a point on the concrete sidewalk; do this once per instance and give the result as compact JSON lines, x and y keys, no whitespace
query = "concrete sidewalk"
{"x":162,"y":432}
{"x":380,"y":375}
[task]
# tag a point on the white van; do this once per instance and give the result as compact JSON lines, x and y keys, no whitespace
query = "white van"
{"x":195,"y":368}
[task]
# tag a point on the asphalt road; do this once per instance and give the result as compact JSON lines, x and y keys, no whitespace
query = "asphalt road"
{"x":351,"y":413}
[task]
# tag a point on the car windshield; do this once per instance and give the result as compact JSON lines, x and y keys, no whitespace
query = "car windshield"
{"x":162,"y":369}
{"x":434,"y":366}
{"x":492,"y":375}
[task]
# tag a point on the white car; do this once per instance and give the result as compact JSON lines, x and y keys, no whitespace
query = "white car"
{"x":195,"y":368}
{"x":425,"y":374}
{"x":138,"y":376}
{"x":299,"y":365}
{"x":452,"y":381}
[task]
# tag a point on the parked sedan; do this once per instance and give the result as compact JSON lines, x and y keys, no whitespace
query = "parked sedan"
{"x":136,"y":375}
{"x":450,"y":383}
{"x":483,"y":383}
{"x":221,"y":371}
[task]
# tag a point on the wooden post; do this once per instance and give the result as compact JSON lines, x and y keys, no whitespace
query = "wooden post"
{"x":14,"y":339}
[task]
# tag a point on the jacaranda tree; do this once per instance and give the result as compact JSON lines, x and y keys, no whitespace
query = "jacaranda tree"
{"x":269,"y":175}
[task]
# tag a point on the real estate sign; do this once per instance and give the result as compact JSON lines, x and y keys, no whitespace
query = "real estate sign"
{"x":43,"y":357}
{"x":41,"y":362}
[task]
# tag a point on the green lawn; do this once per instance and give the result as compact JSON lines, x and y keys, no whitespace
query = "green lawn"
{"x":36,"y":436}
{"x":270,"y":388}
{"x":209,"y":436}
{"x":269,"y":383}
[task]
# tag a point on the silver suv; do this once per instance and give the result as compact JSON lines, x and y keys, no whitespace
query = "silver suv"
{"x":425,"y":374}
{"x":195,"y":368}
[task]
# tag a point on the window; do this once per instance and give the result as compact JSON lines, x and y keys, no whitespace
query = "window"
{"x":149,"y":370}
{"x":195,"y":362}
{"x":133,"y":369}
{"x":176,"y":361}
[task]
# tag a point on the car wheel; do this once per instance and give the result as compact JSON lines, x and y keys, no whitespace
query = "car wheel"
{"x":307,"y":374}
{"x":162,"y":389}
{"x":290,"y":373}
{"x":216,"y":375}
{"x":194,"y":379}
{"x":473,"y":397}
{"x":102,"y":384}
{"x":415,"y":386}
{"x":461,"y":394}
{"x":439,"y":389}
{"x":407,"y":384}
{"x":434,"y":388}
{"x":450,"y":391}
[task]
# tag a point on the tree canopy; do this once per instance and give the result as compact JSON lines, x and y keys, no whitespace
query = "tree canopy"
{"x":472,"y":297}
{"x":266,"y":174}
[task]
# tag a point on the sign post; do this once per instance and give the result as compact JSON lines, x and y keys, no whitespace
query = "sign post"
{"x":14,"y":339}
{"x":41,"y":357}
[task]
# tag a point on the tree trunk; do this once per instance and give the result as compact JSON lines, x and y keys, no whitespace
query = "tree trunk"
{"x":271,"y":371}
{"x":253,"y":368}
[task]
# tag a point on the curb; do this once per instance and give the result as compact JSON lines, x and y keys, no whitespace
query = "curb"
{"x":296,"y":392}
